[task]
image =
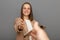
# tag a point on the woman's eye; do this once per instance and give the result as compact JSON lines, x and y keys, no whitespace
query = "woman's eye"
{"x":29,"y":8}
{"x":24,"y":8}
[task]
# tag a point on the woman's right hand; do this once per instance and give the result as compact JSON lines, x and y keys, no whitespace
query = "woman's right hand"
{"x":19,"y":24}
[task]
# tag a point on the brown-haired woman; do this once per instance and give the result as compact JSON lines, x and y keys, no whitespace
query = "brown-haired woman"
{"x":37,"y":33}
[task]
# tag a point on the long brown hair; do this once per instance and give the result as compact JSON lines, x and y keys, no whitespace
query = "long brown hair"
{"x":31,"y":13}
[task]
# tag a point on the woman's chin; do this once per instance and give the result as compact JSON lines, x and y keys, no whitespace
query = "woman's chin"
{"x":26,"y":14}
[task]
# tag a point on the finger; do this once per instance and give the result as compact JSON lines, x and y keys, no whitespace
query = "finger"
{"x":23,"y":23}
{"x":21,"y":20}
{"x":20,"y":23}
{"x":33,"y":35}
{"x":17,"y":30}
{"x":20,"y":28}
{"x":33,"y":31}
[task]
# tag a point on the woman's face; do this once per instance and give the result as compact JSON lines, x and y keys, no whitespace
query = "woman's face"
{"x":26,"y":9}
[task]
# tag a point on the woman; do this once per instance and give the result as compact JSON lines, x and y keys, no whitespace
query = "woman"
{"x":37,"y":33}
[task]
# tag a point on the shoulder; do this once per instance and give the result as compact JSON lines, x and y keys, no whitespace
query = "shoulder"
{"x":36,"y":23}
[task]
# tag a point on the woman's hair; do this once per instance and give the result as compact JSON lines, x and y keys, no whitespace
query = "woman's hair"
{"x":31,"y":12}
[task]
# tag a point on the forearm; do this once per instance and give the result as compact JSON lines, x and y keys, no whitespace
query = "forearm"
{"x":42,"y":35}
{"x":20,"y":36}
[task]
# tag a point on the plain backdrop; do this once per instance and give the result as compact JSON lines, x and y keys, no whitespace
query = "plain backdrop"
{"x":46,"y":12}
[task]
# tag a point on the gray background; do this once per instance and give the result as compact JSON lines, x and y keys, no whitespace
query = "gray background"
{"x":47,"y":12}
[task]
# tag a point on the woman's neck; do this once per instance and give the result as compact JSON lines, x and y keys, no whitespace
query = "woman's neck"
{"x":25,"y":17}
